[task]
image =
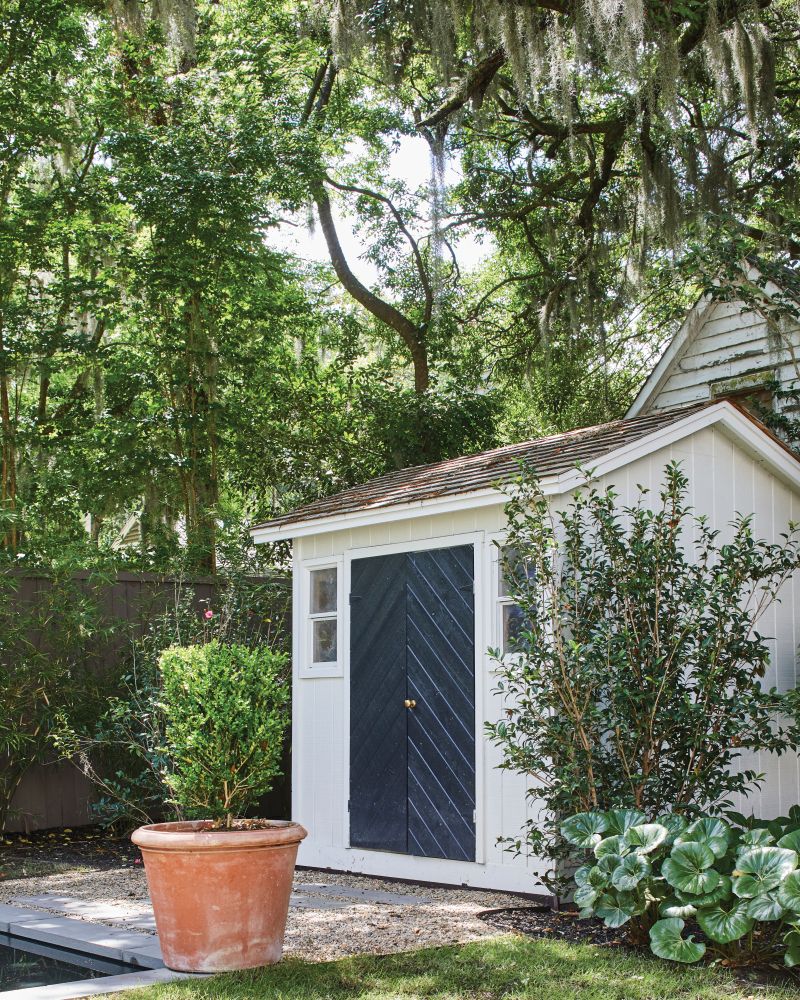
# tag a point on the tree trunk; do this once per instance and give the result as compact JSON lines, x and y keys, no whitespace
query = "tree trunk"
{"x":8,"y":472}
{"x":410,"y":334}
{"x":201,"y":364}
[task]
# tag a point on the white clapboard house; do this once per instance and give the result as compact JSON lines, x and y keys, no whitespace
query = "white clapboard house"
{"x":726,"y":349}
{"x":398,"y":596}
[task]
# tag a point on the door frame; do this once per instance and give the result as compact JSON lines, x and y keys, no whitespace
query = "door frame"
{"x":482,"y":640}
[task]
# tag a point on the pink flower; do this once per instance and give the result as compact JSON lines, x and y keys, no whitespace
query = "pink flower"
{"x":208,"y":614}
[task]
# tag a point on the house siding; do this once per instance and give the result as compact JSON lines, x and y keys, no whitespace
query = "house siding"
{"x":724,"y":479}
{"x":729,"y":344}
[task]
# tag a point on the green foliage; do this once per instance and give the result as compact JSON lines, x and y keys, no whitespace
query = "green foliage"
{"x":780,"y":418}
{"x":636,"y":680}
{"x":226,"y":709}
{"x":688,"y":869}
{"x":158,"y":356}
{"x":744,"y":898}
{"x":667,"y":941}
{"x":163,"y":354}
{"x":122,"y":747}
{"x":585,"y":829}
{"x":47,"y":642}
{"x":688,"y":121}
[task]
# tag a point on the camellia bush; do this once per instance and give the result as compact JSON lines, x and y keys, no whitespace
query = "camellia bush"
{"x":637,"y":676}
{"x":226,"y":709}
{"x":738,"y":883}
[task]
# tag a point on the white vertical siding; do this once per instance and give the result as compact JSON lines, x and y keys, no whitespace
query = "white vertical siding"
{"x":724,"y":479}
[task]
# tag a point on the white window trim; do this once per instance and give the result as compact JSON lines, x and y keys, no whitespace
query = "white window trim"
{"x":496,"y":543}
{"x":307,"y":668}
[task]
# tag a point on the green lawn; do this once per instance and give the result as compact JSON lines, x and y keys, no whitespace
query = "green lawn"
{"x":505,"y":967}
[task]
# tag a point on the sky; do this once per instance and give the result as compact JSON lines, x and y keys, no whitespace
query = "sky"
{"x":410,"y":163}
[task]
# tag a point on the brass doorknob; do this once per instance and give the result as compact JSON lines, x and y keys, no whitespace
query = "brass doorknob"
{"x":410,"y":703}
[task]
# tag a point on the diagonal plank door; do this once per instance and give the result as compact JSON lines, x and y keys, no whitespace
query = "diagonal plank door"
{"x":412,"y":769}
{"x":378,"y":725}
{"x":441,"y":679}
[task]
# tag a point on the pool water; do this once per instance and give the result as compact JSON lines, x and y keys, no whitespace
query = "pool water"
{"x":27,"y":963}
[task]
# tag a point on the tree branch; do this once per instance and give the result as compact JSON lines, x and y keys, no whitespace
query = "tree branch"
{"x":420,"y":263}
{"x":473,"y":86}
{"x":409,"y":333}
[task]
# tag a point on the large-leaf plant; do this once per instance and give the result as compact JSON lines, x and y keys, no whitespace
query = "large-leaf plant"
{"x":737,"y":882}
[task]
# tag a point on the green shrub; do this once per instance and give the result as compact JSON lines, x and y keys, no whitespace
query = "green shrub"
{"x":636,"y":680}
{"x":226,"y":712}
{"x":122,"y":749}
{"x":737,"y":881}
{"x":48,"y":642}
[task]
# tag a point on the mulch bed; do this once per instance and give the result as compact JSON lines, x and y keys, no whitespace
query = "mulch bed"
{"x":564,"y":925}
{"x":85,"y":846}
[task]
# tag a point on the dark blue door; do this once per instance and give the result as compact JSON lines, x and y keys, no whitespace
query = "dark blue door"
{"x":412,"y":703}
{"x":378,"y":725}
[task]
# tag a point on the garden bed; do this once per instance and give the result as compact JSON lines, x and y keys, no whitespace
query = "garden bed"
{"x":543,"y":923}
{"x":52,"y":851}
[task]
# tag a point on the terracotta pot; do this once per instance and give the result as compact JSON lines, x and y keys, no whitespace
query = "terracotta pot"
{"x":220,"y":898}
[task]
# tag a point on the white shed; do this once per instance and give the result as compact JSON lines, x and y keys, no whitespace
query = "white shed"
{"x":398,"y":597}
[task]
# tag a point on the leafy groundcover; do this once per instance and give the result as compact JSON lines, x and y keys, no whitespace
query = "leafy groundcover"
{"x":708,"y":889}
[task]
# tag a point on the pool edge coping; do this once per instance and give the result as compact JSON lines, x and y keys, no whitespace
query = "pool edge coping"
{"x":95,"y":940}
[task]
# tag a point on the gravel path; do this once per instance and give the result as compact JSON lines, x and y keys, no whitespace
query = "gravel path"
{"x":340,"y":926}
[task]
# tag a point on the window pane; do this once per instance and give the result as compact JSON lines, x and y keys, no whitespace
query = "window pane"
{"x":514,"y":570}
{"x":324,"y":640}
{"x":513,"y":623}
{"x":323,"y":590}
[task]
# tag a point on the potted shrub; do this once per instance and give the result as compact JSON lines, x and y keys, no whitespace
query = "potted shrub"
{"x":220,"y":883}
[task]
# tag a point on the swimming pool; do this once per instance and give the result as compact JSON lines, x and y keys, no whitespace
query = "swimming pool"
{"x":26,"y":963}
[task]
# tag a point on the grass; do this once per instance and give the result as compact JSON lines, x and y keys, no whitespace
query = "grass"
{"x":506,"y":967}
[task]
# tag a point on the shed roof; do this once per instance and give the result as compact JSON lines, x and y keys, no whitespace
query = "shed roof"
{"x":548,"y":456}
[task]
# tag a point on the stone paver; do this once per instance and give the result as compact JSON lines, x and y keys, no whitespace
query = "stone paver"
{"x":94,"y":987}
{"x":95,"y":939}
{"x":9,"y":913}
{"x":103,"y":912}
{"x":362,"y":895}
{"x":299,"y":901}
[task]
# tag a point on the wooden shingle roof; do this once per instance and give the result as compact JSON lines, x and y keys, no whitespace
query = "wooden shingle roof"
{"x":548,"y":456}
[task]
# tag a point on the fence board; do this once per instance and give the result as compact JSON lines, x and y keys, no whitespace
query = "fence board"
{"x":58,"y":794}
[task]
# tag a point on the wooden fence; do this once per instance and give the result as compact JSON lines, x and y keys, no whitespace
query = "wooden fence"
{"x":58,"y":794}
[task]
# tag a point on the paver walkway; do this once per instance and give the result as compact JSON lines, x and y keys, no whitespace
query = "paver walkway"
{"x":306,"y":896}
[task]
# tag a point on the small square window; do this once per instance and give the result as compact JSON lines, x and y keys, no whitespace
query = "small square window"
{"x":513,"y":625}
{"x":325,"y":640}
{"x":323,"y":591}
{"x":514,"y":570}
